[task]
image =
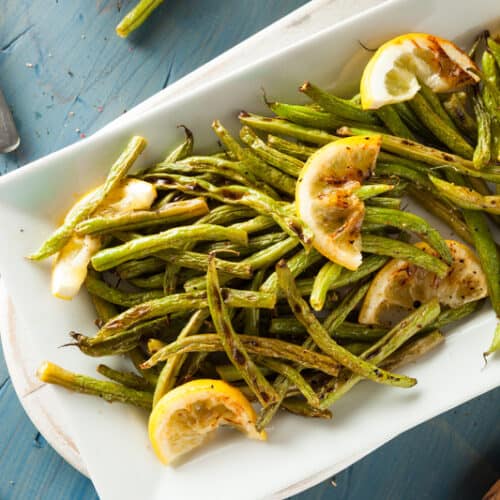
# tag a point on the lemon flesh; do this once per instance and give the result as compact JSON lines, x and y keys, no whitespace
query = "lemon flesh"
{"x":187,"y":416}
{"x":326,"y":196}
{"x":399,"y":287}
{"x":70,"y":265}
{"x":395,"y":70}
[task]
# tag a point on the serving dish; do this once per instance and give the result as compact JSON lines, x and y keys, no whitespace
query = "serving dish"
{"x":113,"y":440}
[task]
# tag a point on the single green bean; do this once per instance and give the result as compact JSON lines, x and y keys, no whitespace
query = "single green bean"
{"x":227,"y":214}
{"x":135,"y":268}
{"x":414,"y":176}
{"x":381,"y":245}
{"x":171,"y":213}
{"x":280,"y":126}
{"x":259,"y":223}
{"x":383,"y":202}
{"x":88,"y":204}
{"x":412,"y":223}
{"x":456,"y":106}
{"x":482,"y":152}
{"x":338,"y":106}
{"x":184,"y":149}
{"x":465,"y":197}
{"x":393,"y":122}
{"x":322,"y":282}
{"x":136,"y":17}
{"x":344,"y":331}
{"x":109,"y":391}
{"x":175,"y":237}
{"x":259,"y":346}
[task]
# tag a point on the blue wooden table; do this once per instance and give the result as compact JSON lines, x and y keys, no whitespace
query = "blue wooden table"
{"x":66,"y":74}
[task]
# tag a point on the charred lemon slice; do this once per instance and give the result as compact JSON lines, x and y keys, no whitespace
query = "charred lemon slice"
{"x":393,"y":73}
{"x":326,"y":196}
{"x":400,"y":287}
{"x":188,"y":415}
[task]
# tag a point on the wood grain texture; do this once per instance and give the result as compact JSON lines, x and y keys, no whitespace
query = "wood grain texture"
{"x":65,"y":73}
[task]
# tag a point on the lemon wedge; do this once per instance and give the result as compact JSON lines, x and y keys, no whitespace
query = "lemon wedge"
{"x":70,"y":265}
{"x":188,"y":415}
{"x":393,"y":73}
{"x":326,"y":198}
{"x":130,"y":194}
{"x":400,"y":287}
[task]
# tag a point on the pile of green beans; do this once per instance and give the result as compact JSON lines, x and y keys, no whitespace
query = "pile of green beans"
{"x":219,"y":278}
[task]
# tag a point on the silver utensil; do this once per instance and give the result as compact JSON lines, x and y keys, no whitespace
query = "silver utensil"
{"x":9,"y":138}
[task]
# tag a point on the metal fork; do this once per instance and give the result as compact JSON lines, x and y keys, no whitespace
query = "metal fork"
{"x":9,"y":138}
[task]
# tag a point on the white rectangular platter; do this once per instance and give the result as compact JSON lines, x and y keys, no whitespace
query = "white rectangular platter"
{"x":112,"y":439}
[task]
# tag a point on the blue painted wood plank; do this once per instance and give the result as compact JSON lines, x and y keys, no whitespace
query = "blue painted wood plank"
{"x":65,"y":73}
